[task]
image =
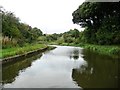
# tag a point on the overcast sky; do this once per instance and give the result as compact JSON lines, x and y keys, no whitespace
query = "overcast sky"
{"x":51,"y":16}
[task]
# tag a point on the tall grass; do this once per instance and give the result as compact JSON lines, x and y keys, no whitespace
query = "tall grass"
{"x":8,"y":42}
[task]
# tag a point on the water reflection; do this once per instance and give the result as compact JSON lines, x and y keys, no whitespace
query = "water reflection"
{"x":63,"y":67}
{"x":101,"y":72}
{"x":12,"y":70}
{"x":52,"y":70}
{"x":75,"y":54}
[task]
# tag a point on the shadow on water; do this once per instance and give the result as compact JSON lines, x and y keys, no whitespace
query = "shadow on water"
{"x":11,"y":70}
{"x":101,"y":72}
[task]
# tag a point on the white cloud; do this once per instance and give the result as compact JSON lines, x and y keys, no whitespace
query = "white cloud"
{"x":51,"y":16}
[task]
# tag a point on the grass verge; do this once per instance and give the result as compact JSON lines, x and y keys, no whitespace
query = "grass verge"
{"x":20,"y":50}
{"x":104,"y":49}
{"x":111,"y":50}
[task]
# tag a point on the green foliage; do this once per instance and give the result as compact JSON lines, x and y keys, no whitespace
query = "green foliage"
{"x":20,"y":50}
{"x":105,"y":49}
{"x":60,"y":40}
{"x":8,"y":42}
{"x":109,"y":32}
{"x":17,"y":32}
{"x":71,"y":36}
{"x":101,"y":20}
{"x":9,"y":25}
{"x":52,"y":37}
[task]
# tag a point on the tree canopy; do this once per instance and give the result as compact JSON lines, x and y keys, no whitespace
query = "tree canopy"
{"x":101,"y":20}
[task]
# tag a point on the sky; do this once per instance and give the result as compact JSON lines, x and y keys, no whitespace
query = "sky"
{"x":51,"y":16}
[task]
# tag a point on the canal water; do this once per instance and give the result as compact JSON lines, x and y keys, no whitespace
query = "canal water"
{"x":62,"y":67}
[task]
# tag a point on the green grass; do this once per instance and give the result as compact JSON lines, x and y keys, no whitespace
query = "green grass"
{"x":104,"y":49}
{"x":20,"y":50}
{"x":110,"y":50}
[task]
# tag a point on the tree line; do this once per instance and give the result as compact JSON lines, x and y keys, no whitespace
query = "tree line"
{"x":101,"y":21}
{"x":15,"y":33}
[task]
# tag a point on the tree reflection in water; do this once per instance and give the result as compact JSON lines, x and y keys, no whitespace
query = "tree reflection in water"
{"x":11,"y":70}
{"x":101,"y":72}
{"x":63,"y":67}
{"x":75,"y":54}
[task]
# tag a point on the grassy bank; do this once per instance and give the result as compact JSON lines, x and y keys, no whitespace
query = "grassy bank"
{"x":111,"y":50}
{"x":20,"y":50}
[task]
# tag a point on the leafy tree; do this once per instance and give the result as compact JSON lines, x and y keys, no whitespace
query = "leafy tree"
{"x":14,"y":30}
{"x":101,"y":20}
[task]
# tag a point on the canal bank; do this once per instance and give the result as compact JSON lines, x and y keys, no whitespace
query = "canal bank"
{"x":109,"y":50}
{"x":25,"y":55}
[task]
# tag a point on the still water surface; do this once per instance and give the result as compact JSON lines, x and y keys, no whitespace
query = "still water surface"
{"x":62,"y":67}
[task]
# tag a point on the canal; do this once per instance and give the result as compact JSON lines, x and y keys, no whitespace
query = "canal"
{"x":62,"y":67}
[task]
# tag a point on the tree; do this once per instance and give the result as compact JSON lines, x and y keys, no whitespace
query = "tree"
{"x":13,"y":29}
{"x":99,"y":18}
